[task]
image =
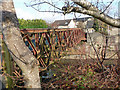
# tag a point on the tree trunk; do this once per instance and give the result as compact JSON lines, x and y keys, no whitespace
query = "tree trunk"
{"x":17,"y":48}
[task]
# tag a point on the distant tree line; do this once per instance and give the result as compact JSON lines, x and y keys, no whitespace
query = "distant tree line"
{"x":35,"y":23}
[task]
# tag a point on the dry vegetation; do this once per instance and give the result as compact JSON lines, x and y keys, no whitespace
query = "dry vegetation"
{"x":69,"y":74}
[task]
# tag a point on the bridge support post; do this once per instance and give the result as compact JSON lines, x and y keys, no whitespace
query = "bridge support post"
{"x":37,"y":41}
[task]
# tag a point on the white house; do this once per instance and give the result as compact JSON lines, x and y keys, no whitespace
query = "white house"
{"x":70,"y":23}
{"x":73,"y":23}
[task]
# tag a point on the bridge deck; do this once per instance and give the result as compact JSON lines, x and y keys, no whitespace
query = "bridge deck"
{"x":41,"y":30}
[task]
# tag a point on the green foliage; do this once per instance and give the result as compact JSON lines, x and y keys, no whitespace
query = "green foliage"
{"x":35,"y":23}
{"x":100,"y":26}
{"x":96,"y":25}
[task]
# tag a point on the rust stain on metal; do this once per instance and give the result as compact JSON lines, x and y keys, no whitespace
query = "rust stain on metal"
{"x":52,"y":43}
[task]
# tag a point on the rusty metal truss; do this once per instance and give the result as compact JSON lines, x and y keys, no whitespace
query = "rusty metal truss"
{"x":50,"y":44}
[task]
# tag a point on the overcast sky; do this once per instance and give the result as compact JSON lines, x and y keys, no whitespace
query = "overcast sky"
{"x":29,"y":13}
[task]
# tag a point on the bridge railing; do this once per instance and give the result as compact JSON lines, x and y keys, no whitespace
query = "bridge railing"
{"x":51,"y":44}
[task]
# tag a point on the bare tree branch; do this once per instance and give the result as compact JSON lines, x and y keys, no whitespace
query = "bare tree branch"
{"x":105,"y":18}
{"x":87,"y":8}
{"x":85,"y":4}
{"x":47,"y":11}
{"x":43,"y":3}
{"x":95,"y":49}
{"x":108,"y":6}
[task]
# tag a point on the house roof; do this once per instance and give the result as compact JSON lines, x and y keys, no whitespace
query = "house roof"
{"x":82,"y":19}
{"x":62,"y":22}
{"x":66,"y":22}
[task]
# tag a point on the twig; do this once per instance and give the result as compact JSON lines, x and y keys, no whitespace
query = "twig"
{"x":47,"y":11}
{"x":8,"y":75}
{"x":95,"y":49}
{"x":107,"y":7}
{"x":43,"y":3}
{"x":103,"y":58}
{"x":97,"y":3}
